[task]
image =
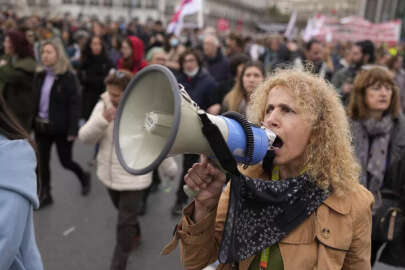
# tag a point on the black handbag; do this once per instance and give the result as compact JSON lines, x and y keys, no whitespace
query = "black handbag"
{"x":389,"y":219}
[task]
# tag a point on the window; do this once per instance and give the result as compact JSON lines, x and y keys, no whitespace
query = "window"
{"x":94,"y":2}
{"x":44,"y":3}
{"x":132,"y":3}
{"x":80,"y":2}
{"x":67,"y":2}
{"x":151,"y":4}
{"x":31,"y":2}
{"x":371,"y":10}
{"x":387,"y":10}
{"x":108,"y":3}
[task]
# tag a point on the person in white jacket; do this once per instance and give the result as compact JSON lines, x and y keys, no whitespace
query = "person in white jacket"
{"x":125,"y":190}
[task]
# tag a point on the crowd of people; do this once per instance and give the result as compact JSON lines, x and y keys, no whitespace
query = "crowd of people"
{"x":338,"y":107}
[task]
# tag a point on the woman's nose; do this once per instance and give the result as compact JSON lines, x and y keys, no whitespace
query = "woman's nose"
{"x":273,"y":120}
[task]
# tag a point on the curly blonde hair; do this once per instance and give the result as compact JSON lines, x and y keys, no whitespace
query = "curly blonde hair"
{"x":329,"y":156}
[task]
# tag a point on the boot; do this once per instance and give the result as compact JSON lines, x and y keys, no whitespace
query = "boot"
{"x":45,"y":198}
{"x":86,"y":183}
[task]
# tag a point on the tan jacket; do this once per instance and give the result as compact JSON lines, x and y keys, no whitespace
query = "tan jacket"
{"x":336,"y":236}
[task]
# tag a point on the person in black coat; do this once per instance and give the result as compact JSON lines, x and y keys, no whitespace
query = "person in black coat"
{"x":216,"y":62}
{"x":393,"y":252}
{"x":201,"y":87}
{"x":94,"y":67}
{"x":56,"y":90}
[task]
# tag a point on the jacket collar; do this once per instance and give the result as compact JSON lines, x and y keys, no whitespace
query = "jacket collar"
{"x":338,"y":204}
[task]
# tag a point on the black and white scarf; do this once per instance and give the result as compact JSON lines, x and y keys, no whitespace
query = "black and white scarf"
{"x":261,"y":213}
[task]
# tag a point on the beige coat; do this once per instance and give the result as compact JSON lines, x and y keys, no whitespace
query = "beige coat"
{"x":336,"y":236}
{"x":110,"y":172}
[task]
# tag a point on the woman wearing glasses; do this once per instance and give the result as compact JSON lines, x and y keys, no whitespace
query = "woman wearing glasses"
{"x":125,"y":190}
{"x":57,"y":114}
{"x":378,"y":133}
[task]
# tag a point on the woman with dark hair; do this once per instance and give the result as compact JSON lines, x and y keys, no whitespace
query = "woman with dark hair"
{"x":18,"y":195}
{"x":238,"y":98}
{"x":57,"y":114}
{"x":378,"y":130}
{"x":94,"y":67}
{"x":132,"y":50}
{"x":72,"y":48}
{"x":17,"y":68}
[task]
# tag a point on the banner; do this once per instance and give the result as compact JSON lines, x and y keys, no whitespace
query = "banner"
{"x":352,"y":29}
{"x":222,"y":25}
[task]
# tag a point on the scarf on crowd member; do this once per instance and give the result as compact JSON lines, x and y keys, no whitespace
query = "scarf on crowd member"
{"x":372,"y":146}
{"x":261,"y":213}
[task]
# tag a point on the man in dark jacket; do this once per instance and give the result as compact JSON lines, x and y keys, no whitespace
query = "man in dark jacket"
{"x":362,"y":54}
{"x":217,"y":64}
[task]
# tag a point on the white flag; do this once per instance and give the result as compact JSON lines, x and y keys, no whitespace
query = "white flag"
{"x":291,"y":25}
{"x":187,"y":7}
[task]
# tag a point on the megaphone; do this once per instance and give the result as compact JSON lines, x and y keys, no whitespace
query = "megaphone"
{"x":157,"y":118}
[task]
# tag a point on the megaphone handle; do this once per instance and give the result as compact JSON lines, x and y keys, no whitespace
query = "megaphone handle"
{"x":190,"y":192}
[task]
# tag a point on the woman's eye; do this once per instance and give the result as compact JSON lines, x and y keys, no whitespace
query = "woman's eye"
{"x":269,"y":109}
{"x":286,"y":109}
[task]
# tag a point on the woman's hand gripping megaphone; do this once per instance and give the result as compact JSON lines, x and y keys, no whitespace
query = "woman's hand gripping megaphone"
{"x":206,"y":180}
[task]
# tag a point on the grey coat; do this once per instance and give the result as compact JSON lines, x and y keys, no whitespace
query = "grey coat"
{"x":397,"y":141}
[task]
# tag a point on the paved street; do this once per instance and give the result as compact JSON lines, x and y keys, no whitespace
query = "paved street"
{"x":78,"y":232}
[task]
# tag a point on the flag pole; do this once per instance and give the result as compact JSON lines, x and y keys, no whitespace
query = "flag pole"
{"x":201,"y":15}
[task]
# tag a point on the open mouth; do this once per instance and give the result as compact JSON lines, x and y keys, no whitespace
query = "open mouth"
{"x":278,"y":143}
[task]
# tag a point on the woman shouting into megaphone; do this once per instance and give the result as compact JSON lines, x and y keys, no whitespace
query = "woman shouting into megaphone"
{"x":307,"y":212}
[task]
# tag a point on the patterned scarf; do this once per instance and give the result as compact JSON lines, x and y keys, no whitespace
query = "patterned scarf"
{"x":261,"y":213}
{"x":373,"y":156}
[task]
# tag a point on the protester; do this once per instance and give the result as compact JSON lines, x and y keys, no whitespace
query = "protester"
{"x":276,"y":53}
{"x":125,"y":190}
{"x":176,"y":49}
{"x":378,"y":130}
{"x":314,"y":59}
{"x":132,"y":51}
{"x":234,"y":44}
{"x":18,"y":196}
{"x":156,"y":56}
{"x":93,"y":68}
{"x":252,"y":75}
{"x":200,"y":85}
{"x":362,"y":54}
{"x":394,"y":64}
{"x":72,"y":48}
{"x":17,"y":69}
{"x":57,"y":98}
{"x":236,"y":63}
{"x":328,"y":213}
{"x":217,"y":64}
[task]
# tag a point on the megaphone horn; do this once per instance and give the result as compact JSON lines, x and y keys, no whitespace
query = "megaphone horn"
{"x":156,"y":118}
